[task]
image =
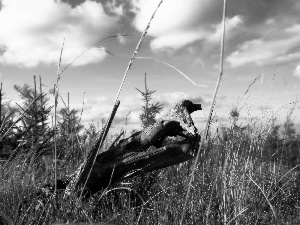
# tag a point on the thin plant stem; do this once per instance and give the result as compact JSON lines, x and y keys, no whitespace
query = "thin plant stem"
{"x":252,"y":83}
{"x":204,"y":137}
{"x":136,"y":51}
{"x":42,"y":97}
{"x":81,"y":109}
{"x":236,"y":216}
{"x":58,"y":75}
{"x":68,"y":121}
{"x":56,"y":88}
{"x":117,"y":102}
{"x":55,"y":140}
{"x":167,"y":64}
{"x":268,"y":201}
{"x":0,"y":104}
{"x":211,"y":195}
{"x":108,"y":124}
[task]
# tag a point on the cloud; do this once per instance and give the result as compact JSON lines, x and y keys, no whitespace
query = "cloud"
{"x":177,"y":39}
{"x":269,"y":38}
{"x":176,"y":23}
{"x":131,"y":106}
{"x":32,"y":31}
{"x":230,"y":26}
{"x":255,"y":30}
{"x":96,"y":109}
{"x":297,"y":71}
{"x":257,"y":12}
{"x":268,"y":50}
{"x":183,"y":22}
{"x":115,"y":8}
{"x":169,"y":99}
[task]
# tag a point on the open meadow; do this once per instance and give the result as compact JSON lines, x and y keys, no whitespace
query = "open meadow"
{"x":171,"y":147}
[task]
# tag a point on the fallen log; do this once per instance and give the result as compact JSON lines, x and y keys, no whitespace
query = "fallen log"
{"x":171,"y":140}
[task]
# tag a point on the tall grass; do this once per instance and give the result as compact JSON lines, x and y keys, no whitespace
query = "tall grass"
{"x":237,"y":182}
{"x":206,"y":130}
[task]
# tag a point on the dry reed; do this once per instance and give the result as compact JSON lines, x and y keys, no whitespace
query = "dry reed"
{"x":205,"y":134}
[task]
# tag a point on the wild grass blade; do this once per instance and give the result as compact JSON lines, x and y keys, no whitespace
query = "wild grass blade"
{"x":268,"y":201}
{"x":55,"y":78}
{"x":189,"y":79}
{"x":56,"y":88}
{"x":117,"y":102}
{"x":203,"y":138}
{"x":137,"y":50}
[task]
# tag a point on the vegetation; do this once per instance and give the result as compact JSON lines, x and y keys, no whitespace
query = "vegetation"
{"x":245,"y":176}
{"x":149,"y":111}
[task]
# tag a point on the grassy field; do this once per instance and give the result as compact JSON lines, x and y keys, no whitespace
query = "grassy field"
{"x":243,"y":177}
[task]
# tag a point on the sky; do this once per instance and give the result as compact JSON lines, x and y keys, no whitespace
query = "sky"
{"x":261,"y":57}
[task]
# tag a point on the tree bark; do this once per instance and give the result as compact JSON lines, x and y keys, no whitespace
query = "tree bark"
{"x":171,"y":140}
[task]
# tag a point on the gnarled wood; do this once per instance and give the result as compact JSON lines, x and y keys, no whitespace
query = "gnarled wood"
{"x":171,"y":140}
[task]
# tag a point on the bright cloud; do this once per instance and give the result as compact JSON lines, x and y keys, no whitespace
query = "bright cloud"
{"x":297,"y":71}
{"x":180,"y":22}
{"x":171,"y":98}
{"x":114,"y":8}
{"x":230,"y":25}
{"x":96,"y":109}
{"x":279,"y":46}
{"x":177,"y":39}
{"x":101,"y":107}
{"x":32,"y":31}
{"x":264,"y":52}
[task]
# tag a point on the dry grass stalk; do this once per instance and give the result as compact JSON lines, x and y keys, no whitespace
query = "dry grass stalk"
{"x":268,"y":201}
{"x":136,"y":50}
{"x":107,"y":127}
{"x":56,"y":88}
{"x":203,"y":138}
{"x":167,"y":64}
{"x":0,"y":103}
{"x":57,"y":77}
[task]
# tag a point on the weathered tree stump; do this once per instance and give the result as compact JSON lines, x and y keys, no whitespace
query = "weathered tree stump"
{"x":171,"y":140}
